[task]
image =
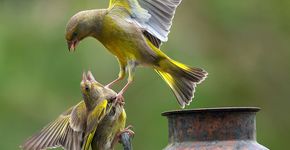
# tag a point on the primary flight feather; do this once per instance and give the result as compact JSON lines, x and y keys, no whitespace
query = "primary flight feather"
{"x":133,"y":30}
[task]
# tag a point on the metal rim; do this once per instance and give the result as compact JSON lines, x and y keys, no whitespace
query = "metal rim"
{"x":215,"y":109}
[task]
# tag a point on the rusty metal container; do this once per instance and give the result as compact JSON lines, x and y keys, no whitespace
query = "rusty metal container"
{"x":230,"y":128}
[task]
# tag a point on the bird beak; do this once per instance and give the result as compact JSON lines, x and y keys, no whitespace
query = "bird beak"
{"x":90,"y":77}
{"x":72,"y":45}
{"x":84,"y":77}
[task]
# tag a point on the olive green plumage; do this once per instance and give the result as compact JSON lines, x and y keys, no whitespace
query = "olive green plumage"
{"x":106,"y":135}
{"x":74,"y":129}
{"x":133,"y":30}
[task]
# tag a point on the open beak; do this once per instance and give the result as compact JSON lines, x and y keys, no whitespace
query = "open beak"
{"x":90,"y":77}
{"x":72,"y":45}
{"x":84,"y":77}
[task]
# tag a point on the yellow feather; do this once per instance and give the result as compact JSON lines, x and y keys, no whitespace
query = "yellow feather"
{"x":93,"y":119}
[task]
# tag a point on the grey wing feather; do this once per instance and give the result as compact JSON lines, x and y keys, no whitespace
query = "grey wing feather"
{"x":71,"y":140}
{"x":78,"y":117}
{"x":153,"y":16}
{"x":56,"y":134}
{"x":162,"y":13}
{"x":48,"y":137}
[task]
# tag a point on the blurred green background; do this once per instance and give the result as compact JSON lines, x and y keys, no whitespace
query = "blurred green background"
{"x":244,"y":45}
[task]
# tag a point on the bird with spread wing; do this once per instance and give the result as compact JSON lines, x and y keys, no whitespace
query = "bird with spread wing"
{"x":133,"y":31}
{"x":98,"y":119}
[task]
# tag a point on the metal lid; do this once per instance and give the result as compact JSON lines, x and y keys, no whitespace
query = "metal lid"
{"x":214,"y":109}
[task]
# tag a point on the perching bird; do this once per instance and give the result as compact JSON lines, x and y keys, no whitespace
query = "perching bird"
{"x":133,"y":31}
{"x":75,"y":128}
{"x":111,"y":129}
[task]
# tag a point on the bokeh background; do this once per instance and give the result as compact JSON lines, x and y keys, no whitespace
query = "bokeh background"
{"x":244,"y":45}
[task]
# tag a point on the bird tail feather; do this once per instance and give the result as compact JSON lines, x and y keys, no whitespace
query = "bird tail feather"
{"x":181,"y":78}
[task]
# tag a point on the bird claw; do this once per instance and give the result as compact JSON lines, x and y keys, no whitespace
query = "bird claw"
{"x":129,"y":127}
{"x":120,"y":99}
{"x":127,"y":130}
{"x":118,"y":136}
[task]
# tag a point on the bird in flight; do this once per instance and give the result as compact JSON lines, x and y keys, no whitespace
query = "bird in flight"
{"x":133,"y":31}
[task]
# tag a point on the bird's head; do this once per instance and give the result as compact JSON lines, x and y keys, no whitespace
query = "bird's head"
{"x":90,"y":88}
{"x":79,"y":27}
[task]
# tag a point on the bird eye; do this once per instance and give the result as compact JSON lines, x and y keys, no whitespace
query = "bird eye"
{"x":75,"y":34}
{"x":87,"y":88}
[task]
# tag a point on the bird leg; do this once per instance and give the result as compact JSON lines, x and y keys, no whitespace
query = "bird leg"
{"x":127,"y":130}
{"x":113,"y":82}
{"x":131,"y":68}
{"x":120,"y":76}
{"x":120,"y":97}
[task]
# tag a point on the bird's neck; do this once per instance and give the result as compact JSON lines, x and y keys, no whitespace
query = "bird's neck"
{"x":90,"y":103}
{"x":96,"y":22}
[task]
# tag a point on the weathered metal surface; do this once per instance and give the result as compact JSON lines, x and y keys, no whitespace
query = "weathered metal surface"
{"x":213,"y":129}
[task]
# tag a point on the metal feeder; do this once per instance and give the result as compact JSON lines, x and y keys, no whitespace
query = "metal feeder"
{"x":229,"y":128}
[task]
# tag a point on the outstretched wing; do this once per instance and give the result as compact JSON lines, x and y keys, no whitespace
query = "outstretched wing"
{"x":155,"y":16}
{"x":58,"y":133}
{"x":162,"y":13}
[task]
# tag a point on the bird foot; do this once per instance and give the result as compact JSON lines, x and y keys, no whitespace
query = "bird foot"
{"x":120,"y":99}
{"x":118,"y":136}
{"x":127,"y":130}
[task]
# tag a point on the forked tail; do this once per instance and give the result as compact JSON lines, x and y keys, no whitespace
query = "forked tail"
{"x":181,"y":78}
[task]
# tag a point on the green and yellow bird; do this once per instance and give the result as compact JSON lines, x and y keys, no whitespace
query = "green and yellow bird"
{"x":110,"y":129}
{"x":75,"y":128}
{"x":133,"y":31}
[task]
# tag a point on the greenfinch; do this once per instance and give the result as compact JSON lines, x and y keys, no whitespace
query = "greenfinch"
{"x":75,"y":128}
{"x":133,"y":31}
{"x":111,"y":128}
